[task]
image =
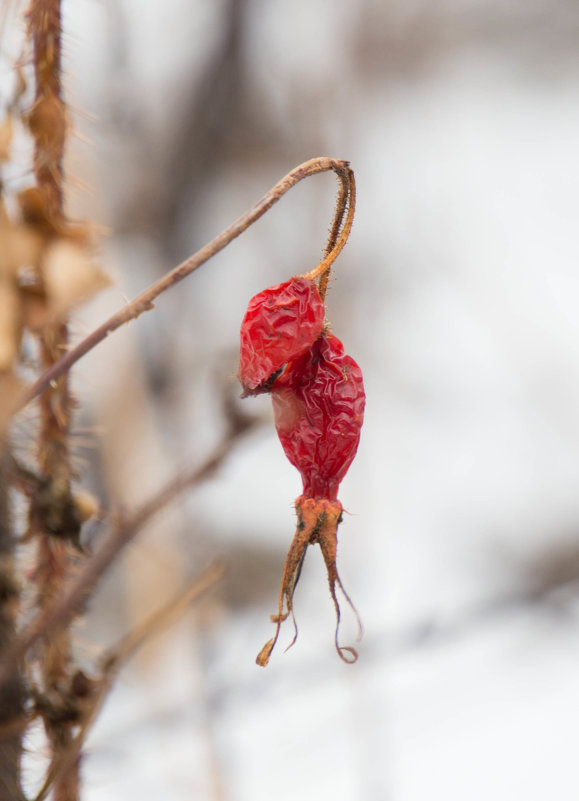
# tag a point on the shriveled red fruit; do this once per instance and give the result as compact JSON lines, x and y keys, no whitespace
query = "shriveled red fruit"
{"x":280,"y":324}
{"x":318,"y":404}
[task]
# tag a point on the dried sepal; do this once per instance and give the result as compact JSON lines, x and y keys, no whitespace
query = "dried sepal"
{"x":318,"y":522}
{"x":263,"y":656}
{"x":323,"y":517}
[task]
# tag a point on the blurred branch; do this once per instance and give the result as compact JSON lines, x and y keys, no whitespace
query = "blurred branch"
{"x":12,"y":698}
{"x":117,"y":656}
{"x":144,"y":302}
{"x":68,"y":603}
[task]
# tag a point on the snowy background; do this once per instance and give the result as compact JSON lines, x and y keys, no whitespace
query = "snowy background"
{"x":458,"y":296}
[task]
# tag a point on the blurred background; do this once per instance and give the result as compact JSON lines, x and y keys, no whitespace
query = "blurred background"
{"x":457,"y":294}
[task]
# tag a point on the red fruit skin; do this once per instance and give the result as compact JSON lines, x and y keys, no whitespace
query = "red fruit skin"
{"x":280,"y":324}
{"x":318,"y":405}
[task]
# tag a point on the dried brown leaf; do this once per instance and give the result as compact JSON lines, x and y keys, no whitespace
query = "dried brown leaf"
{"x":21,"y":247}
{"x":70,"y":277}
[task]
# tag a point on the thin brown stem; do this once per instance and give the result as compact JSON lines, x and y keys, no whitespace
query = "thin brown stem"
{"x":346,"y":194}
{"x":50,"y":522}
{"x":144,"y":302}
{"x":322,"y":271}
{"x":341,"y":206}
{"x":13,"y":719}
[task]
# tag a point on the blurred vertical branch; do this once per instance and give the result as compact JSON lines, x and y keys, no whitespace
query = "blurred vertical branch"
{"x":53,"y":522}
{"x":12,"y":720}
{"x":12,"y":692}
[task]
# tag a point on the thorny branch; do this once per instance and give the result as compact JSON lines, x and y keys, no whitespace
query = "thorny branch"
{"x":71,"y":600}
{"x":145,"y":301}
{"x":346,"y":201}
{"x":339,"y":234}
{"x":52,"y":523}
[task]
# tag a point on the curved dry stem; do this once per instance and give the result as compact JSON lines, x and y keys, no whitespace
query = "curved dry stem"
{"x":346,"y":198}
{"x":144,"y":302}
{"x":344,"y":192}
{"x":341,"y":206}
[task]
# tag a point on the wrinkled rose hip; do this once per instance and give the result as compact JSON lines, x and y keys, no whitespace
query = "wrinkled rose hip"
{"x":318,"y":404}
{"x":280,"y":324}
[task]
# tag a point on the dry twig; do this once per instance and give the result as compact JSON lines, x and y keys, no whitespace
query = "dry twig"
{"x":145,"y":301}
{"x":73,"y":597}
{"x":116,"y":657}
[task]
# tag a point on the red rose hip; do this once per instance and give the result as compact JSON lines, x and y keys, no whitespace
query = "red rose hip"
{"x":280,"y":324}
{"x":318,"y":404}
